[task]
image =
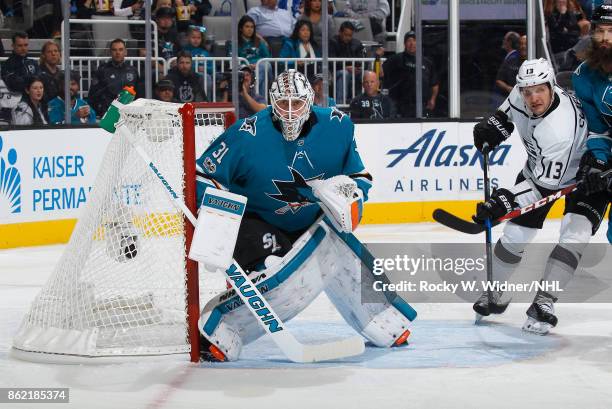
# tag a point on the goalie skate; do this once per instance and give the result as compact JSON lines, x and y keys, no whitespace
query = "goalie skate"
{"x":209,"y":352}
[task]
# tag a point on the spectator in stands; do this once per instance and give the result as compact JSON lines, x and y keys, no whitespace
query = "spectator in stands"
{"x":523,"y":47}
{"x":273,"y":23}
{"x":158,"y":4}
{"x":249,"y":102}
{"x":587,"y":7}
{"x":313,"y":13}
{"x":253,"y":48}
{"x":372,"y":104}
{"x":187,"y":84}
{"x":376,"y":10}
{"x":196,"y":36}
{"x":81,"y":112}
{"x":301,"y":45}
{"x":104,"y":7}
{"x":110,"y":78}
{"x":190,"y":12}
{"x":84,"y":9}
{"x":506,"y":74}
{"x":18,"y":68}
{"x":196,"y":46}
{"x":167,"y":36}
{"x":343,"y":45}
{"x":565,"y":21}
{"x":50,"y":59}
{"x":399,"y":78}
{"x":164,"y":90}
{"x":128,"y":8}
{"x":31,"y":110}
{"x":572,"y":58}
{"x":316,"y":81}
{"x":133,"y":10}
{"x":295,"y":7}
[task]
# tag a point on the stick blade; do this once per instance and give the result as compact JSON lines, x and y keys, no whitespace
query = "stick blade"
{"x":457,"y":223}
{"x":330,"y":351}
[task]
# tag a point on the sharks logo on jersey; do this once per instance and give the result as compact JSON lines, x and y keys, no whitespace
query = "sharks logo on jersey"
{"x":607,"y":101}
{"x":294,"y":193}
{"x":249,"y":125}
{"x":337,"y":114}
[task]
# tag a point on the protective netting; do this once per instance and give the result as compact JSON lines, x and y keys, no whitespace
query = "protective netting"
{"x":119,"y":288}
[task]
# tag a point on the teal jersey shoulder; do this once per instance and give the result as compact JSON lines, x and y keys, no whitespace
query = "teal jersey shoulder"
{"x":594,"y":91}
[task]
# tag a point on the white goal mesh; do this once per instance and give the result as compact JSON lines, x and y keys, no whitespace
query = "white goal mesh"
{"x":120,"y":286}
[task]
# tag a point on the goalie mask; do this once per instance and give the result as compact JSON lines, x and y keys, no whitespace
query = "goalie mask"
{"x":532,"y":73}
{"x":291,"y":97}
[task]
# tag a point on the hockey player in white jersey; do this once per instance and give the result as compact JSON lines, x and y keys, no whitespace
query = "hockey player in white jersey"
{"x":553,"y":129}
{"x":295,"y":163}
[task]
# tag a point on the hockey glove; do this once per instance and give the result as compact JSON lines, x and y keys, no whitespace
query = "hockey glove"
{"x":589,"y":175}
{"x":492,"y":131}
{"x":341,"y":201}
{"x":500,"y":203}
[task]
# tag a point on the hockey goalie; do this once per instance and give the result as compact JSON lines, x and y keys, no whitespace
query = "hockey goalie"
{"x":305,"y":184}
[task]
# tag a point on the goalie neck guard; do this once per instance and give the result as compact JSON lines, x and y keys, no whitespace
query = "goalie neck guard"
{"x":291,"y":97}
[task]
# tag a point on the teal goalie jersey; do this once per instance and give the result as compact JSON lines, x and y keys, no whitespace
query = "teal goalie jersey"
{"x":254,"y":160}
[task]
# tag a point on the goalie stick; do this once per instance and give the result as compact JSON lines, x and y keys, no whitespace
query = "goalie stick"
{"x":465,"y":226}
{"x":288,"y":344}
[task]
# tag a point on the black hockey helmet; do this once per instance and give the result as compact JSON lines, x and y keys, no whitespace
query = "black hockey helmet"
{"x":602,"y":15}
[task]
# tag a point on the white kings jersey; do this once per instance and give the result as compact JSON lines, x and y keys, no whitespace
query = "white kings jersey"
{"x":554,"y":142}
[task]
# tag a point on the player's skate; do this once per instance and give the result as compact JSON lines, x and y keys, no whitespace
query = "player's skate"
{"x":484,"y":308}
{"x":209,"y":352}
{"x":541,"y":314}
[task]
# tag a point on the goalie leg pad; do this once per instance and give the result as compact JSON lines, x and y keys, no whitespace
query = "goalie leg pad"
{"x":226,"y":337}
{"x":370,"y":313}
{"x":289,"y":285}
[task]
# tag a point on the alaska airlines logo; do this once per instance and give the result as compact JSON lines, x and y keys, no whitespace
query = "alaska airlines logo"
{"x":10,"y":182}
{"x":295,"y":193}
{"x":428,"y":152}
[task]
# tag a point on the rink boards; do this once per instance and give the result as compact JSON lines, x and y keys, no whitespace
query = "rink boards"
{"x":46,"y":175}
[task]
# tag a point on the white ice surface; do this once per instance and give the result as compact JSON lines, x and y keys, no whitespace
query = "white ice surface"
{"x":450,"y":363}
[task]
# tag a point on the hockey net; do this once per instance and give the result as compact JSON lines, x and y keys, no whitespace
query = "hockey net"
{"x":124,"y":286}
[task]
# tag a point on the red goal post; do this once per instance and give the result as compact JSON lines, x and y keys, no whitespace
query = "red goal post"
{"x":189,"y":113}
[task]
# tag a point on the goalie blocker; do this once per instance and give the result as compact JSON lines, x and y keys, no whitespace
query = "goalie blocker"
{"x":291,"y":272}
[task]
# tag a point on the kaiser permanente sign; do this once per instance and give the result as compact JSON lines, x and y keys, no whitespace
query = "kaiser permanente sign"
{"x":46,"y":175}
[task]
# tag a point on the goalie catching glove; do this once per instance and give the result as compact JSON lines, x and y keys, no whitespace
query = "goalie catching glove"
{"x":341,"y":200}
{"x":492,"y":131}
{"x":501,"y":203}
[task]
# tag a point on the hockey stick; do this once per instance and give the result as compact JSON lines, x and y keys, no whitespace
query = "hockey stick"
{"x":252,"y":297}
{"x":465,"y":226}
{"x":487,"y":196}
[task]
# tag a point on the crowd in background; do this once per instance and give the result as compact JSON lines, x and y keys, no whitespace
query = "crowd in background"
{"x":275,"y":28}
